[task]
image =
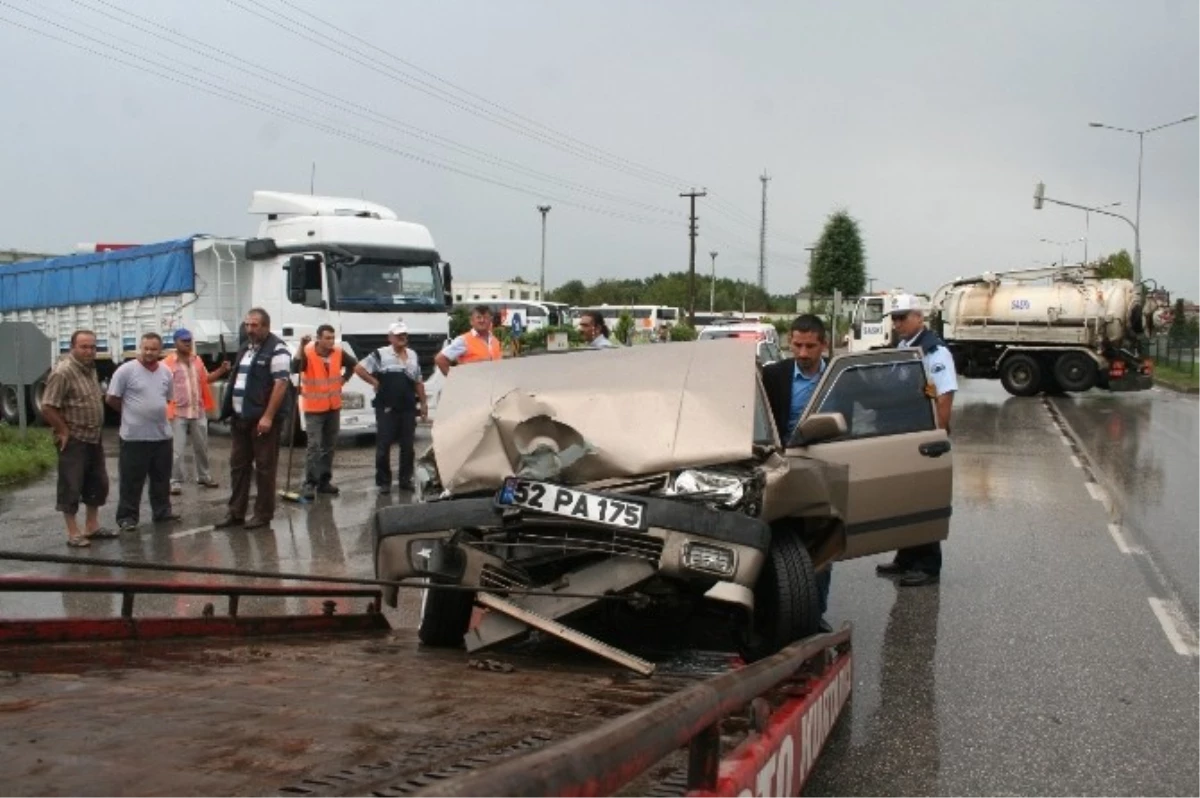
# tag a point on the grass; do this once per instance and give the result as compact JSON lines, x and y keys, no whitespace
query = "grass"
{"x":1176,"y":378}
{"x":24,"y":458}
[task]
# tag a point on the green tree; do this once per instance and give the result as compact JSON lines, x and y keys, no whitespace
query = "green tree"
{"x":839,"y":262}
{"x":1115,"y":267}
{"x":571,"y":292}
{"x":1182,"y":331}
{"x":460,"y":321}
{"x":624,"y":327}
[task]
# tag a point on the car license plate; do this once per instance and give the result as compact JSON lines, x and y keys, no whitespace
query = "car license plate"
{"x":580,"y":505}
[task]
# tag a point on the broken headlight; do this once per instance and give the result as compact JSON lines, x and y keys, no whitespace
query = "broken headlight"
{"x":740,"y":489}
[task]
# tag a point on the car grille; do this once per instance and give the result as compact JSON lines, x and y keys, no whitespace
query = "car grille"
{"x":426,"y":345}
{"x":500,"y":578}
{"x":573,"y":541}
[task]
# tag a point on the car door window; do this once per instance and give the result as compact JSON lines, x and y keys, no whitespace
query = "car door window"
{"x":877,"y":397}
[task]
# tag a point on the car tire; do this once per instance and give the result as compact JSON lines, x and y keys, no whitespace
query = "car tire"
{"x":787,"y":606}
{"x":1021,"y":375}
{"x":1076,"y":372}
{"x":10,"y":406}
{"x":445,"y":617}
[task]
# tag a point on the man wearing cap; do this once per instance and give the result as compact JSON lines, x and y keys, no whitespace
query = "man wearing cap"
{"x":476,"y":344}
{"x":922,"y":565}
{"x":395,"y":374}
{"x":191,"y":400}
{"x":324,"y":367}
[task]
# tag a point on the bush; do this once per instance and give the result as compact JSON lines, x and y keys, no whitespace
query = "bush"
{"x":624,"y":330}
{"x":23,"y":458}
{"x":683,"y":332}
{"x":460,"y":321}
{"x":536,"y":339}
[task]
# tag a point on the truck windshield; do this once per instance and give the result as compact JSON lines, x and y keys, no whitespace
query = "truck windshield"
{"x":382,"y":286}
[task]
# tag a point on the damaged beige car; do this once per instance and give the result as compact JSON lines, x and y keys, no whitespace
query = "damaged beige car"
{"x":656,"y":472}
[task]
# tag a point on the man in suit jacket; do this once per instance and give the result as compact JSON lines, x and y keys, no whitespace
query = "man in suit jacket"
{"x":790,"y":385}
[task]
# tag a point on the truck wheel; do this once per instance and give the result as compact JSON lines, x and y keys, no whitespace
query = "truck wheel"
{"x":787,"y":606}
{"x":10,"y":406}
{"x":1075,"y":371}
{"x":1021,"y":375}
{"x":445,"y":617}
{"x":37,"y":392}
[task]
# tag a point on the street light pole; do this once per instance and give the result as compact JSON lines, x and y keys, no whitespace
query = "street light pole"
{"x":1137,"y":226}
{"x":1039,"y":197}
{"x":544,"y":209}
{"x":712,"y":290}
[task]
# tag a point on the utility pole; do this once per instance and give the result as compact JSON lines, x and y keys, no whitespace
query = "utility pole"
{"x":545,"y":209}
{"x":712,"y":290}
{"x":692,"y":258}
{"x":762,"y":237}
{"x":871,"y":284}
{"x":312,"y":179}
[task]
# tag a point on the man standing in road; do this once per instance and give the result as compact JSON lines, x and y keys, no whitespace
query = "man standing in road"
{"x":254,"y":404}
{"x":395,"y":374}
{"x":476,"y":344}
{"x":922,"y":565}
{"x":140,"y":390}
{"x":73,"y":406}
{"x":191,"y":401}
{"x":594,"y":330}
{"x":790,"y":385}
{"x":324,"y":367}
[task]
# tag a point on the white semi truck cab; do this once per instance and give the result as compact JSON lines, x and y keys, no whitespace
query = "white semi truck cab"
{"x":354,"y":265}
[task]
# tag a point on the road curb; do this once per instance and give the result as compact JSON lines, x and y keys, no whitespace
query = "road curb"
{"x":1170,"y":386}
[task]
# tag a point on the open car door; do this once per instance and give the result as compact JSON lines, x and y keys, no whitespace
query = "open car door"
{"x":899,"y":461}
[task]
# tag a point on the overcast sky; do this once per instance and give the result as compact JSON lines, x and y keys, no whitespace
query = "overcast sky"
{"x":929,"y":121}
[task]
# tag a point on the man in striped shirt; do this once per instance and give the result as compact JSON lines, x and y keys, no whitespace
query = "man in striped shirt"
{"x":254,"y":404}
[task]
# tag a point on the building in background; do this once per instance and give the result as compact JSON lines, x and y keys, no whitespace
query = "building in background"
{"x":466,"y":292}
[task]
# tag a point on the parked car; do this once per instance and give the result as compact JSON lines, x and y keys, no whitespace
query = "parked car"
{"x":765,"y":336}
{"x":657,"y":470}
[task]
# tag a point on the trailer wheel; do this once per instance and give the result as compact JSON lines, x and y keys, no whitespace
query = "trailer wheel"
{"x":787,"y":606}
{"x":10,"y":407}
{"x":1021,"y":375}
{"x":1076,"y":372}
{"x":445,"y":617}
{"x":37,"y":392}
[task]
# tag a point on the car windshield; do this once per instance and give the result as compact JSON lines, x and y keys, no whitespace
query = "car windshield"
{"x":381,"y":285}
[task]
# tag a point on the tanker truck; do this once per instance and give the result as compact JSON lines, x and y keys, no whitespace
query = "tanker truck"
{"x":1073,"y":334}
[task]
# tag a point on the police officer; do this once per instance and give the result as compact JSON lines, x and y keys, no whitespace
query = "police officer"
{"x":922,"y":565}
{"x":395,"y":373}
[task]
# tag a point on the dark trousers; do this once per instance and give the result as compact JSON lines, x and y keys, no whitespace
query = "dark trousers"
{"x":394,"y":426}
{"x":253,"y":457}
{"x":82,"y":476}
{"x":137,"y":461}
{"x":322,"y":430}
{"x":927,"y":557}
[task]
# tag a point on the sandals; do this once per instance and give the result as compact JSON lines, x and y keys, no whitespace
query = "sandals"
{"x":102,"y":533}
{"x":80,"y":542}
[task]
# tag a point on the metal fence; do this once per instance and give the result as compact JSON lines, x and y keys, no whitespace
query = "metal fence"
{"x":1181,"y":357}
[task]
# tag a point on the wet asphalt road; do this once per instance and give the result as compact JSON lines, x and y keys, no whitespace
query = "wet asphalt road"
{"x":1038,"y":666}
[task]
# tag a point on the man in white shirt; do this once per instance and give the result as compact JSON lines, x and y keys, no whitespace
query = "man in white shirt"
{"x":922,"y":565}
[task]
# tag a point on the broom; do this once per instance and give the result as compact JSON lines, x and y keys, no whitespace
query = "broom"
{"x":287,"y":494}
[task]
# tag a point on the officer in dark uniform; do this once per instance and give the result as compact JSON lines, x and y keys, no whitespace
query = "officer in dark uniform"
{"x":395,"y":373}
{"x":922,"y":565}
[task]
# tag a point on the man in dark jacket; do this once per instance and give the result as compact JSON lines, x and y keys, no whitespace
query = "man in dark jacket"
{"x":254,"y":402}
{"x":790,"y":386}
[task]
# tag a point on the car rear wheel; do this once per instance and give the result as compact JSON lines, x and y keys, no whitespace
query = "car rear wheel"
{"x":787,"y":606}
{"x":445,"y":617}
{"x":1021,"y":375}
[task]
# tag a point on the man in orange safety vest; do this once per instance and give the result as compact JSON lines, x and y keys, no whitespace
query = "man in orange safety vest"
{"x":324,"y":367}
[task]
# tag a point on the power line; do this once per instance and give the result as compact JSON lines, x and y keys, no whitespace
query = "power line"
{"x":291,"y":84}
{"x":175,"y":76}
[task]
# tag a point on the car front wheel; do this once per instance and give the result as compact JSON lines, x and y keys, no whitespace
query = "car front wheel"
{"x":787,"y":606}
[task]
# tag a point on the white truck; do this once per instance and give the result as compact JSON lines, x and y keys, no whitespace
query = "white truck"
{"x":317,"y":260}
{"x":1071,"y":334}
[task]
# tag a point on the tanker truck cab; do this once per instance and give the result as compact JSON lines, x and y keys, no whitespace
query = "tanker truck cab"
{"x":351,"y":264}
{"x":870,"y":327}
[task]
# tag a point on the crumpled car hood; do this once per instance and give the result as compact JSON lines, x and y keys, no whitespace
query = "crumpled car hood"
{"x":594,"y":415}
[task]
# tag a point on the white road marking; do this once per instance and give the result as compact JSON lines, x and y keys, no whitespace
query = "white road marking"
{"x":1122,"y":546}
{"x":189,"y":532}
{"x":1075,"y":462}
{"x":1170,"y":617}
{"x":1096,"y":491}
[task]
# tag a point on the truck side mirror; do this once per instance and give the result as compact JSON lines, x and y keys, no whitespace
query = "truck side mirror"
{"x":447,"y":283}
{"x":296,"y":273}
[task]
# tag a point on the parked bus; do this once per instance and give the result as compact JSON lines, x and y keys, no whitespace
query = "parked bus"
{"x":646,"y":318}
{"x":533,"y":315}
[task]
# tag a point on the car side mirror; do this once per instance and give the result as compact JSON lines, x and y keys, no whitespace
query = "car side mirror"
{"x":818,"y":427}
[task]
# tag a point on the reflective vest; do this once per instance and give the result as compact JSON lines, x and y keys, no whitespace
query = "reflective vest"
{"x":321,"y":385}
{"x":478,"y":349}
{"x":206,"y":397}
